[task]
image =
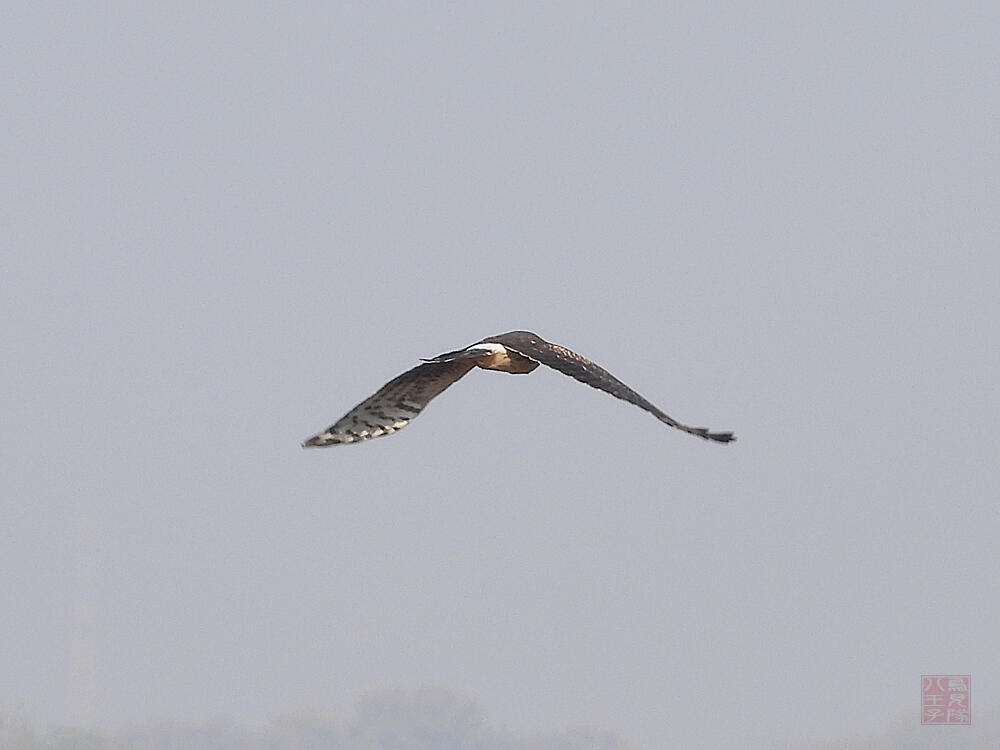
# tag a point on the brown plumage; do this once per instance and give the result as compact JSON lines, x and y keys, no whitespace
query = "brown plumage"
{"x":396,"y":403}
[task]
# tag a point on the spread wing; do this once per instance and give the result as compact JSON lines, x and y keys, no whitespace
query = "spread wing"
{"x":394,"y":405}
{"x":582,"y":369}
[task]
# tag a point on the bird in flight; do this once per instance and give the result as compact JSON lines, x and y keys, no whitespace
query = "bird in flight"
{"x":400,"y":400}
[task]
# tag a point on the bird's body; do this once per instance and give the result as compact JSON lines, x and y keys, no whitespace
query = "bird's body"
{"x":394,"y":405}
{"x":491,"y":355}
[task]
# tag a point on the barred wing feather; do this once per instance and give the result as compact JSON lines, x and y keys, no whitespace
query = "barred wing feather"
{"x":394,"y":405}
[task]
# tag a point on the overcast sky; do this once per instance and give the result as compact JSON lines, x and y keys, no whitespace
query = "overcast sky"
{"x":225,"y":225}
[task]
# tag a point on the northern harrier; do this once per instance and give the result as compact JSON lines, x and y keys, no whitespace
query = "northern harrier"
{"x":518,"y":352}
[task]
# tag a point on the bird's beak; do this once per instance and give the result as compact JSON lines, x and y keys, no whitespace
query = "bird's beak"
{"x":471,"y":352}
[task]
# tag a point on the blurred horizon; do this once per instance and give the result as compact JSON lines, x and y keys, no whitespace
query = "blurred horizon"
{"x":429,"y":717}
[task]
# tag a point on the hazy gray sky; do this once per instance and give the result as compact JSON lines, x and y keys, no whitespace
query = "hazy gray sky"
{"x":225,"y":225}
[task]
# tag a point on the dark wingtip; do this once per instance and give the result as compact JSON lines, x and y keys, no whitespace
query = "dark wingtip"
{"x":720,"y":437}
{"x":317,"y":441}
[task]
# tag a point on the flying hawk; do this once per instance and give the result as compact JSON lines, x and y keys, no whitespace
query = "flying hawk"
{"x":518,"y":352}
